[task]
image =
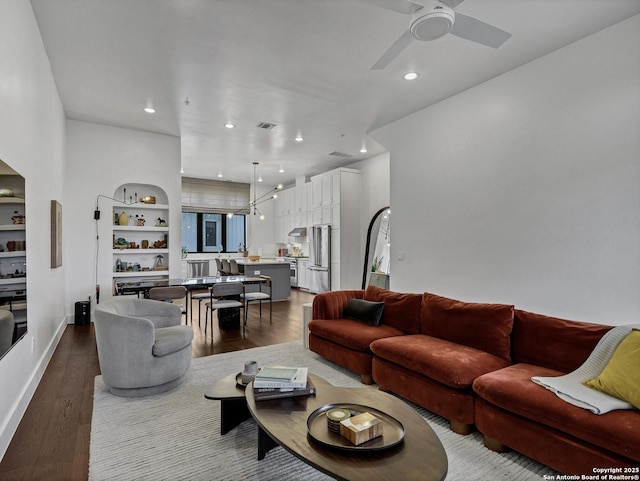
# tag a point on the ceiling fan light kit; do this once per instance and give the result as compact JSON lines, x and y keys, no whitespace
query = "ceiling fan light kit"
{"x":431,"y":24}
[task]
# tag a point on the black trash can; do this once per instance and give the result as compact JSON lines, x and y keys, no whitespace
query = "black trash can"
{"x":83,"y":313}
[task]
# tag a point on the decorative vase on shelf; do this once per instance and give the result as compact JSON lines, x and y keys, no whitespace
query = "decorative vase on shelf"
{"x":123,"y":219}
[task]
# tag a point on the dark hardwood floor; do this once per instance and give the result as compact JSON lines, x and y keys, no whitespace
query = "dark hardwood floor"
{"x":52,"y":440}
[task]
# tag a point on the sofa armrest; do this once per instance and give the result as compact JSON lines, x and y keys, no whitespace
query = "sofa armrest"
{"x":329,"y":305}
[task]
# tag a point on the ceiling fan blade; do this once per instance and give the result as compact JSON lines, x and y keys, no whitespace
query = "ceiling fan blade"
{"x":451,"y":3}
{"x":477,"y":31}
{"x":398,"y":46}
{"x":400,"y":6}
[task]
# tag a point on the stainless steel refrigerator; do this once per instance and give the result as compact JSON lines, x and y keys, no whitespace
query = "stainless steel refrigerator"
{"x":320,"y":258}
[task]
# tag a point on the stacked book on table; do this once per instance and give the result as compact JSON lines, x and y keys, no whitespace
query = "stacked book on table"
{"x":274,"y":382}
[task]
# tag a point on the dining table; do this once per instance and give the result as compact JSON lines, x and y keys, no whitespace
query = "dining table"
{"x":190,"y":283}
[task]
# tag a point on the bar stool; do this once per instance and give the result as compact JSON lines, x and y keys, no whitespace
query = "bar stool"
{"x":226,"y":267}
{"x":233,"y":267}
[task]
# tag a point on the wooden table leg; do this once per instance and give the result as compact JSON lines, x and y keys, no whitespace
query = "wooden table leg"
{"x":265,"y":443}
{"x":232,"y":413}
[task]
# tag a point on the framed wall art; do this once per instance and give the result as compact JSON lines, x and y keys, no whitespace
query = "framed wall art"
{"x":56,"y":234}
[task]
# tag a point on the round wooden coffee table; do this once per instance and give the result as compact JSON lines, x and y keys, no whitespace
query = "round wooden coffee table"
{"x":283,"y":422}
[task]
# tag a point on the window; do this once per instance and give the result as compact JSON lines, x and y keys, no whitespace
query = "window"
{"x":210,"y":232}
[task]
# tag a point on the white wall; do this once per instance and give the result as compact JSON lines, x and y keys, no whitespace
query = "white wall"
{"x":101,"y":158}
{"x":526,"y":189}
{"x":32,"y":142}
{"x":261,"y":233}
{"x":375,"y":193}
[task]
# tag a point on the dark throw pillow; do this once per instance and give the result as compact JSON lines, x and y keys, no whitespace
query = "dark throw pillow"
{"x":364,"y":311}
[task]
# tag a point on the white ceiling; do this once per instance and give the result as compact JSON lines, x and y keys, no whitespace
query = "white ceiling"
{"x":301,"y":64}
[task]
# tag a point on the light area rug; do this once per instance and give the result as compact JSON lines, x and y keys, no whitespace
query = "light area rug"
{"x":176,"y":435}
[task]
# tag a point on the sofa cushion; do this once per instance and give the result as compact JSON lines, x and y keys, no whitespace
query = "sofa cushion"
{"x":352,"y":334}
{"x":621,"y":376}
{"x":449,"y":363}
{"x":513,"y":390}
{"x":486,"y":327}
{"x":331,"y":304}
{"x":368,"y":312}
{"x":401,"y":310}
{"x":171,"y":339}
{"x":554,"y":343}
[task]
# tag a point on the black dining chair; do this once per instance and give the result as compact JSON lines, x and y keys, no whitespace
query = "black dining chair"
{"x":224,"y":295}
{"x":170,"y":294}
{"x":259,"y":297}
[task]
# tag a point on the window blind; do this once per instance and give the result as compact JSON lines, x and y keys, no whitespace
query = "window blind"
{"x":203,"y":195}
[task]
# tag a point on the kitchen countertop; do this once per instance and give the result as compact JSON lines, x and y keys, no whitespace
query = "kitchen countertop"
{"x":260,"y":262}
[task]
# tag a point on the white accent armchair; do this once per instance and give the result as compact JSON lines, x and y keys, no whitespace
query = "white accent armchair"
{"x":142,"y":348}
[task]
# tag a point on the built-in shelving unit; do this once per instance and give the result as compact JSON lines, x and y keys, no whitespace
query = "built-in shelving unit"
{"x":13,"y":257}
{"x":141,"y":246}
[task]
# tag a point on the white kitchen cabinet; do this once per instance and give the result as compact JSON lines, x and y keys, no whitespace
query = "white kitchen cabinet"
{"x":291,"y":201}
{"x":321,"y":190}
{"x":282,"y":204}
{"x":336,"y":186}
{"x":303,"y":279}
{"x":343,"y":213}
{"x":322,"y":215}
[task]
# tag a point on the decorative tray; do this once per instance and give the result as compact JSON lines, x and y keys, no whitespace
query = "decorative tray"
{"x":392,"y":431}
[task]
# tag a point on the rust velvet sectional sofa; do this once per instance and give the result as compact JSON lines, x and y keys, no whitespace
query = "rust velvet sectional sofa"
{"x":472,"y":363}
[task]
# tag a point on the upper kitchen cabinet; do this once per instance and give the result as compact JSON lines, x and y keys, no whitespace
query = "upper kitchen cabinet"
{"x":321,"y":191}
{"x":339,"y":205}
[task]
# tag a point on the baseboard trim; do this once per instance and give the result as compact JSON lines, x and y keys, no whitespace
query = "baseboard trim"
{"x":12,"y":421}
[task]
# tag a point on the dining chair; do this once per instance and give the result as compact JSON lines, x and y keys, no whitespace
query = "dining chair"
{"x":169,"y":294}
{"x":219,"y":266}
{"x":224,"y":295}
{"x":259,"y":296}
{"x":200,"y":297}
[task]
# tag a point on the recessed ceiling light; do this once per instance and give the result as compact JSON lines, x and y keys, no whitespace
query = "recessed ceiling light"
{"x":259,"y":178}
{"x":281,"y":170}
{"x":363,"y":150}
{"x":150,"y":110}
{"x":299,"y":138}
{"x":411,"y":76}
{"x":229,"y":125}
{"x":219,"y":174}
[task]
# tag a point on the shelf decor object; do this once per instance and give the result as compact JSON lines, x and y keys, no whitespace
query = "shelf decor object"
{"x":56,"y":234}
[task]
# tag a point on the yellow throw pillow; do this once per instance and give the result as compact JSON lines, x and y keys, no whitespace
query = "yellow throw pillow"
{"x":621,"y":376}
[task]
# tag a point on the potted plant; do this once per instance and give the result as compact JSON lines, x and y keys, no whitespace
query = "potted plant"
{"x":377,"y":263}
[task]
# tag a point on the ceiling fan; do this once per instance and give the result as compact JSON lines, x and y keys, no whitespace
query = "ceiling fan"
{"x":434,"y":20}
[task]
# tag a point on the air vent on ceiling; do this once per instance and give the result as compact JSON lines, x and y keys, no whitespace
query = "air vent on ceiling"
{"x":266,"y":125}
{"x":335,"y":153}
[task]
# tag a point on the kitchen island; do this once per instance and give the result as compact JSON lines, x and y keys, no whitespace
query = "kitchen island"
{"x":277,"y":270}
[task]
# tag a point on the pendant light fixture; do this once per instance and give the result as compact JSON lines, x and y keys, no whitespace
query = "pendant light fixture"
{"x":257,"y":200}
